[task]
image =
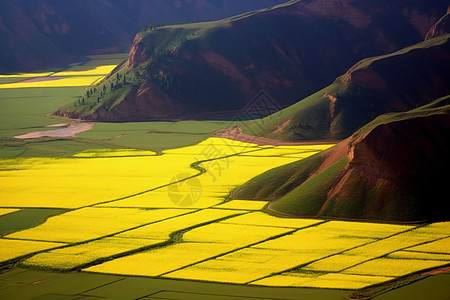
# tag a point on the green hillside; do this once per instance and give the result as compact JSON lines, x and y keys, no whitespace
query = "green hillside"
{"x":399,"y":81}
{"x":198,"y":69}
{"x":393,"y":169}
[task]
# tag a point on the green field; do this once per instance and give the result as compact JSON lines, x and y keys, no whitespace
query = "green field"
{"x":24,"y":110}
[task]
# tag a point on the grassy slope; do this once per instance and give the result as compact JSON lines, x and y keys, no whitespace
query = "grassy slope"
{"x":356,"y":104}
{"x":156,"y":136}
{"x":303,"y":189}
{"x":27,"y":110}
{"x":158,"y":45}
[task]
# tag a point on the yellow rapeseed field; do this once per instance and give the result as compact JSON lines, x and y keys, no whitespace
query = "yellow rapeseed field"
{"x":54,"y":82}
{"x":26,"y":75}
{"x":160,"y":261}
{"x":5,"y":211}
{"x":440,"y":228}
{"x":10,"y":248}
{"x":78,"y":182}
{"x":76,"y":256}
{"x":80,"y":75}
{"x":92,"y":223}
{"x":393,"y":267}
{"x":244,"y":266}
{"x":243,"y":204}
{"x":160,"y":199}
{"x":122,"y":201}
{"x":364,"y":229}
{"x":263,"y":219}
{"x":162,"y":230}
{"x":419,"y":255}
{"x":316,"y":239}
{"x":85,"y":71}
{"x":236,"y":234}
{"x":391,"y":244}
{"x":439,"y":246}
{"x":335,"y":263}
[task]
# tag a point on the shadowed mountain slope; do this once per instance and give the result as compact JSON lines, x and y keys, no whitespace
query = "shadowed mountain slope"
{"x":400,"y":81}
{"x":289,"y":51}
{"x":40,"y":33}
{"x":393,"y":169}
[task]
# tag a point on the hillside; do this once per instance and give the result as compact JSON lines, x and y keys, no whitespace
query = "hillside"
{"x":392,"y":169}
{"x":41,"y":33}
{"x":399,"y":81}
{"x":289,"y":51}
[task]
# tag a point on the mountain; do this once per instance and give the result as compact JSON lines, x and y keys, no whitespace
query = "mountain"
{"x":399,"y":81}
{"x":393,"y":169}
{"x":42,"y":33}
{"x":289,"y":51}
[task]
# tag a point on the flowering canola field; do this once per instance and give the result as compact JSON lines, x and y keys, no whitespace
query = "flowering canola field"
{"x":79,"y":75}
{"x":135,"y":212}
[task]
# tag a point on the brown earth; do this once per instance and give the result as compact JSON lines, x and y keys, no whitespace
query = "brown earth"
{"x":147,"y":103}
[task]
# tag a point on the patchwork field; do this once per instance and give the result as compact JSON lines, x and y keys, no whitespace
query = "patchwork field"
{"x":150,"y":199}
{"x":123,"y":217}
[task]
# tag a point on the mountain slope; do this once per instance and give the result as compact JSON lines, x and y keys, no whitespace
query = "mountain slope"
{"x":36,"y":34}
{"x":399,"y":81}
{"x":392,"y":169}
{"x":289,"y":51}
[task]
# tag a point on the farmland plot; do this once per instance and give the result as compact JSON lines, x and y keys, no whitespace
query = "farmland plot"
{"x":134,"y":228}
{"x":166,"y":214}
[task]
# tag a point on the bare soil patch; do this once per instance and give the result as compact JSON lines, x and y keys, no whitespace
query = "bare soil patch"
{"x":66,"y":130}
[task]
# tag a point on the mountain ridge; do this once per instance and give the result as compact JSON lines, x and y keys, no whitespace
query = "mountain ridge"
{"x":220,"y":66}
{"x":42,"y":33}
{"x":390,"y":170}
{"x":400,"y":81}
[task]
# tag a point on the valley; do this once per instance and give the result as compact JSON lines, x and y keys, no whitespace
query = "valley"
{"x":183,"y":209}
{"x":236,"y":158}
